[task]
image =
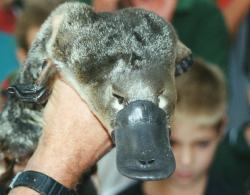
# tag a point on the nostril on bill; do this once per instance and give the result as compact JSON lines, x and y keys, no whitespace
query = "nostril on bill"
{"x":147,"y":162}
{"x":142,"y":162}
{"x":151,"y":161}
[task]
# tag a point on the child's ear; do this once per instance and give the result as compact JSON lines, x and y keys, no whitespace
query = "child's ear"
{"x":21,"y":55}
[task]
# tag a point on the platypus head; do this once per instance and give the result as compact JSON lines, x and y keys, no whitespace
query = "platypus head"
{"x":123,"y":65}
{"x":125,"y":69}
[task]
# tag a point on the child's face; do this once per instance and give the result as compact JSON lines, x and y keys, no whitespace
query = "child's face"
{"x":194,"y":146}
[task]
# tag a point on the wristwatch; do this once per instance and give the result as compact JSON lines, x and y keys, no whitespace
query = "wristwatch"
{"x":41,"y":183}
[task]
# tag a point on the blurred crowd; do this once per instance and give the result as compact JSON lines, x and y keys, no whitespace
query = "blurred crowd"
{"x":211,"y":128}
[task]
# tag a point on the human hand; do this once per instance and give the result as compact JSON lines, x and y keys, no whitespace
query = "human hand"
{"x":72,"y":140}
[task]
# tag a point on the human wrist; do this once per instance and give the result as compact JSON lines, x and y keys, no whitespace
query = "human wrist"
{"x":47,"y":162}
{"x":67,"y":166}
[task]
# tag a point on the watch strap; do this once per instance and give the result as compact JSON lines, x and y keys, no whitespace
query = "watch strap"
{"x":41,"y":183}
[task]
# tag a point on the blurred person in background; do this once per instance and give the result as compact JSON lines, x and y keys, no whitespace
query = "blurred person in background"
{"x":7,"y":16}
{"x":236,"y":14}
{"x":237,"y":18}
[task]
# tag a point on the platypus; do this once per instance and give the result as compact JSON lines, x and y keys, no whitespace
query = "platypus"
{"x":123,"y":64}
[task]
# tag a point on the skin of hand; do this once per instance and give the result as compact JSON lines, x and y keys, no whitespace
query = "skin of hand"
{"x":72,"y":140}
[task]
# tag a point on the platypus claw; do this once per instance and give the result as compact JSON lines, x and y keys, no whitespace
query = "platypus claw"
{"x":29,"y":93}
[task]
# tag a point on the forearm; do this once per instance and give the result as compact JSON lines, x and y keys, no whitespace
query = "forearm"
{"x":58,"y":166}
{"x":234,"y":13}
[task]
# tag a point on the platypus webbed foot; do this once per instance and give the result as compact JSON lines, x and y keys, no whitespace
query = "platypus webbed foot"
{"x":38,"y":92}
{"x":30,"y":93}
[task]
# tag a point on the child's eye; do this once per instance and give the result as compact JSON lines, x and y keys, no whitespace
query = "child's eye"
{"x":203,"y":144}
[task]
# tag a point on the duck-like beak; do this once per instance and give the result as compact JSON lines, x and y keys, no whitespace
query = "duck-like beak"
{"x":142,"y":142}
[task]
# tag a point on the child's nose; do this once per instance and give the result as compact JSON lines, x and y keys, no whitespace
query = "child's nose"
{"x":186,"y":156}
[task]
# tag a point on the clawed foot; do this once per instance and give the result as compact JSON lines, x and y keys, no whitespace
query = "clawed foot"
{"x":29,"y":93}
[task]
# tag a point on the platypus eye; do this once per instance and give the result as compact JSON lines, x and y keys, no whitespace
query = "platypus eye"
{"x":119,"y":98}
{"x":160,"y":92}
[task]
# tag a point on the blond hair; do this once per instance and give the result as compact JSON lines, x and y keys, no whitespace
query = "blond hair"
{"x":202,"y":92}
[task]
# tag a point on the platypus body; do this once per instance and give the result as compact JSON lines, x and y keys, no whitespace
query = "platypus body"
{"x":122,"y":64}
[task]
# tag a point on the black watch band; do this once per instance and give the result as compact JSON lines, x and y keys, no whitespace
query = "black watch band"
{"x":41,"y":183}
